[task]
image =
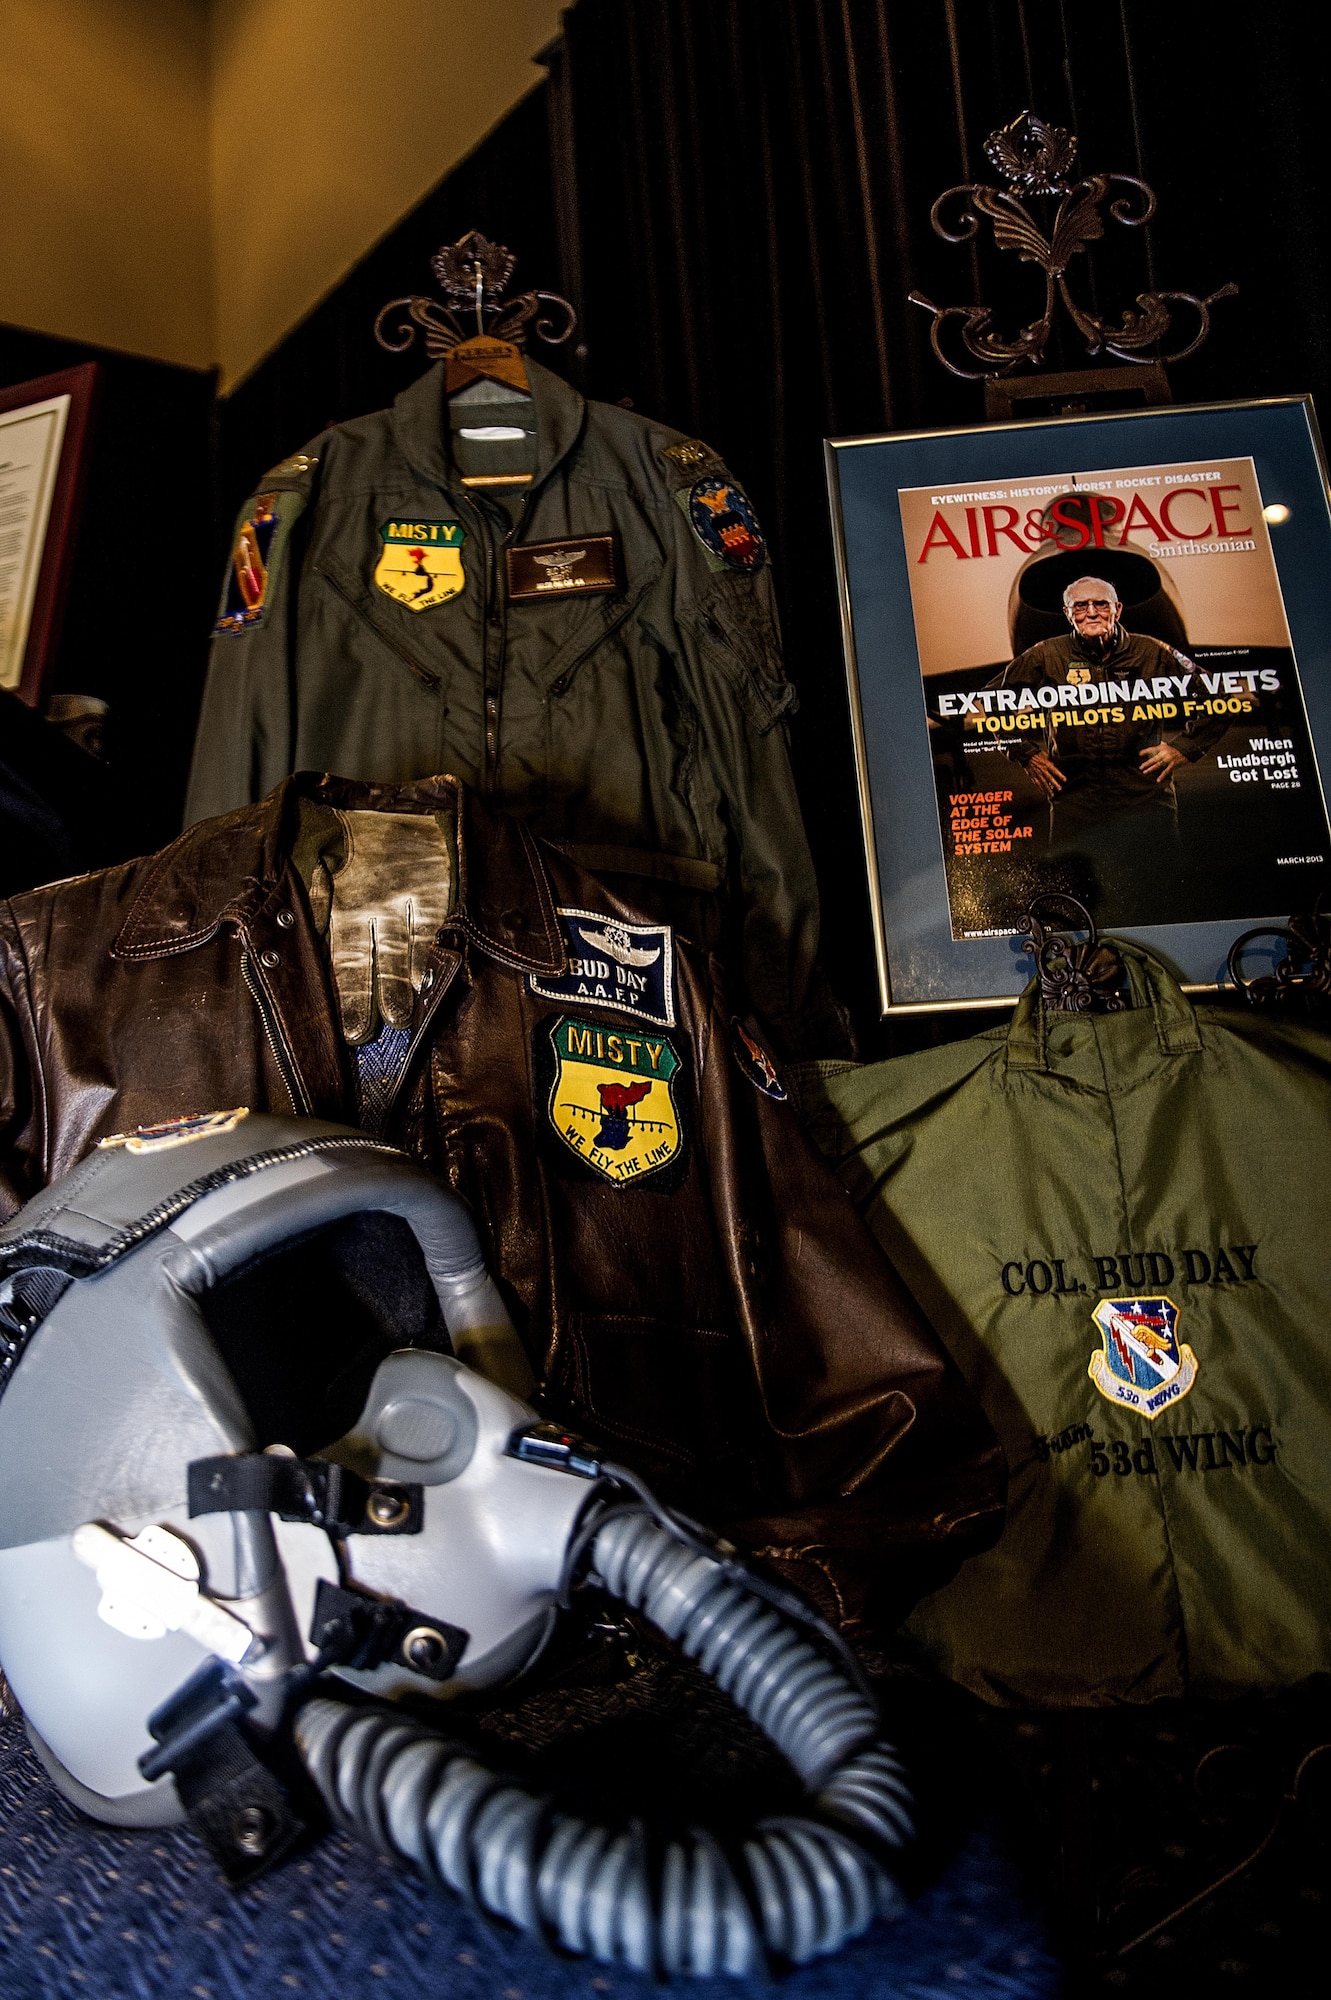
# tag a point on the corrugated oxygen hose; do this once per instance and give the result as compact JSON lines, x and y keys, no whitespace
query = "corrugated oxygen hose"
{"x":799,"y":1887}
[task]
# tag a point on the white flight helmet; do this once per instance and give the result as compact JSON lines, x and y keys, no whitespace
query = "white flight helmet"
{"x":262,"y":1423}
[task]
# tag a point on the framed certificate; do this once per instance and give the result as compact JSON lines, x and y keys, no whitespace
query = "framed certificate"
{"x":44,"y":428}
{"x":1093,"y":656}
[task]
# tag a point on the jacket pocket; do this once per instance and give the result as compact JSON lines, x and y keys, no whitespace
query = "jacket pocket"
{"x":733,"y":629}
{"x":601,"y":621}
{"x":684,"y":1393}
{"x":354,"y":595}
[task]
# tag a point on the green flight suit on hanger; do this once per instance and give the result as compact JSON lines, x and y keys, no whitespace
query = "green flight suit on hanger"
{"x":628,"y":701}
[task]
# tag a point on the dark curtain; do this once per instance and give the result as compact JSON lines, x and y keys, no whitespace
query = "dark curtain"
{"x":57,"y":806}
{"x":753,"y":179}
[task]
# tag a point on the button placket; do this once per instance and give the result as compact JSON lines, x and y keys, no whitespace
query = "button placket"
{"x":288,"y":986}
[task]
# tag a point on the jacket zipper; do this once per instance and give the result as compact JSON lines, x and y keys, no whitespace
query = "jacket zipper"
{"x":183,"y":1198}
{"x":424,"y":675}
{"x":493,"y":635}
{"x":495,"y":624}
{"x":277,"y":1042}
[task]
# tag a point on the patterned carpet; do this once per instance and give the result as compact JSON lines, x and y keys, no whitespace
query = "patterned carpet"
{"x":1112,"y":1854}
{"x":112,"y":1916}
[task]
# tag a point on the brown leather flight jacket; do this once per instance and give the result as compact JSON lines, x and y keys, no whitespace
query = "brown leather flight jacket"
{"x":728,"y":1327}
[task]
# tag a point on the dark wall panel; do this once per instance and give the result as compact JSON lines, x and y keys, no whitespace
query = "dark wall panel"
{"x":144,"y":581}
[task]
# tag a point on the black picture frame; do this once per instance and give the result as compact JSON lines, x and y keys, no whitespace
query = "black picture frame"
{"x":54,"y":559}
{"x":922,"y":962}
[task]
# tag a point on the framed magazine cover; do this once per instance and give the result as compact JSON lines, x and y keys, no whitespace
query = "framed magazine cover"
{"x":1091,"y":655}
{"x":44,"y":433}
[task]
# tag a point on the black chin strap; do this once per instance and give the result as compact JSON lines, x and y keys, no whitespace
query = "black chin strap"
{"x":239,"y":1806}
{"x":31,"y":1297}
{"x":305,"y":1489}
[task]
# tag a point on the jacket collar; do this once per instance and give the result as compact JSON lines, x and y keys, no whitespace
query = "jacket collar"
{"x":420,"y":425}
{"x":224,"y":870}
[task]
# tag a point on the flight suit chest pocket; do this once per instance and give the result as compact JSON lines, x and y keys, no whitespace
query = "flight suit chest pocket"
{"x":597,"y":620}
{"x":360,"y":599}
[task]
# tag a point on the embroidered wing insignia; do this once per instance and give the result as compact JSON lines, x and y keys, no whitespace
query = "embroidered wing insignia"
{"x":619,"y":943}
{"x":628,"y":968}
{"x":177,"y":1131}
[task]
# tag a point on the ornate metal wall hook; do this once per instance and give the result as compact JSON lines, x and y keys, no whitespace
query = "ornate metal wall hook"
{"x":473,"y":275}
{"x":1037,"y":160}
{"x":1084,"y":978}
{"x":1302,"y":977}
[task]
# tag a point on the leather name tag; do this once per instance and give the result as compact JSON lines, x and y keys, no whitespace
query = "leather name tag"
{"x":563,"y":569}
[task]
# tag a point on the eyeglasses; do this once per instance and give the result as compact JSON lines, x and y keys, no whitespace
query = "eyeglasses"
{"x":1091,"y":604}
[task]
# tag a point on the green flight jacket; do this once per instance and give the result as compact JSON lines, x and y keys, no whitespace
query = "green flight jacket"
{"x":641,"y":726}
{"x":1120,"y":1225}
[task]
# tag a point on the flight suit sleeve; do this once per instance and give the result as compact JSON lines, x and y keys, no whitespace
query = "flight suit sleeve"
{"x":243,"y":745}
{"x":731,"y":651}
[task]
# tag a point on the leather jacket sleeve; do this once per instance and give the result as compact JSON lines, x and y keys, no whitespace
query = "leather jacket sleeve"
{"x":17,"y":1181}
{"x":889,"y":1475}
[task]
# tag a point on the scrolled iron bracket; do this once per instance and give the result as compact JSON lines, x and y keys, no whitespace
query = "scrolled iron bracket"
{"x":473,"y":275}
{"x":1075,"y":978}
{"x":1038,"y":160}
{"x":1302,"y":978}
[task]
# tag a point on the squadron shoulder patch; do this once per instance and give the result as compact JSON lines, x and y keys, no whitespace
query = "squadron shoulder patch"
{"x":722,"y":518}
{"x":254,"y":561}
{"x":1141,"y":1362}
{"x":628,"y":968}
{"x":755,"y":1063}
{"x":420,"y":564}
{"x":612,"y":1099}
